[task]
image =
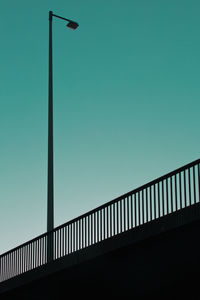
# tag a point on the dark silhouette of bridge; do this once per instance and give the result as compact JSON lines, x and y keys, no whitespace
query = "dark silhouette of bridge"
{"x":144,"y":243}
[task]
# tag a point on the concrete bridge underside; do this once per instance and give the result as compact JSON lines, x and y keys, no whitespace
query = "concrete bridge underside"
{"x":160,"y":259}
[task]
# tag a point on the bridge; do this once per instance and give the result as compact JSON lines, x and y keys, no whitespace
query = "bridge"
{"x":143,"y":243}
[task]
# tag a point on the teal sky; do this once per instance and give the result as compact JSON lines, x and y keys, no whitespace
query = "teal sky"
{"x":126,"y":103}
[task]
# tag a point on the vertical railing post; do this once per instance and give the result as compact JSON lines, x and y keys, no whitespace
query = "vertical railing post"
{"x":0,"y":270}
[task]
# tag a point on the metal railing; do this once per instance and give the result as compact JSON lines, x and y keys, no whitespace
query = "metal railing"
{"x":167,"y":194}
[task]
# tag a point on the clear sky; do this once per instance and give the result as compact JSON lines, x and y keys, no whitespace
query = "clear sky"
{"x":126,"y":103}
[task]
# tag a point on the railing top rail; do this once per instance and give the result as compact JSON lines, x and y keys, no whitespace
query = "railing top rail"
{"x":153,"y":182}
{"x":24,"y":244}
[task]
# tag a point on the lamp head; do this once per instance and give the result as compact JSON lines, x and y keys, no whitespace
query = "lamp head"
{"x":72,"y":25}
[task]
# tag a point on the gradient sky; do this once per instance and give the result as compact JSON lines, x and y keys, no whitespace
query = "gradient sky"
{"x":126,"y":103}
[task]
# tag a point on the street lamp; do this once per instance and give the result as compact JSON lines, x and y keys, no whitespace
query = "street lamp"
{"x":50,"y":189}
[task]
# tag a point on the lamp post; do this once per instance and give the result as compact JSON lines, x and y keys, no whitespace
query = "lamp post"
{"x":50,"y":189}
